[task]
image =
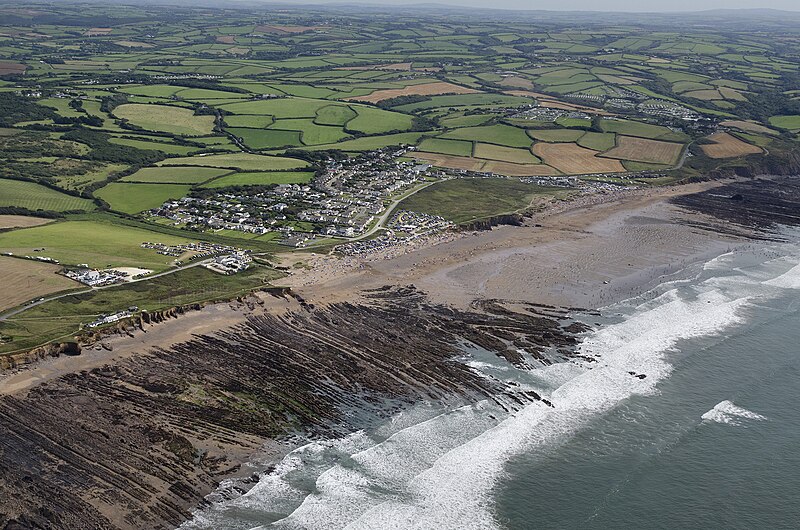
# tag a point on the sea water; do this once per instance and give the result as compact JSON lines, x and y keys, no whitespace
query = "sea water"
{"x":708,"y":438}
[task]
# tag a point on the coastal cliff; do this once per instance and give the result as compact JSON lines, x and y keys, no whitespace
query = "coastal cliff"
{"x":139,"y":443}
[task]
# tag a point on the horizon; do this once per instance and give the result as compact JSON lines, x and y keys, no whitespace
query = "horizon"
{"x":615,"y":6}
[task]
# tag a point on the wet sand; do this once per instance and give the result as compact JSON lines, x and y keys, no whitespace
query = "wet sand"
{"x":588,"y":253}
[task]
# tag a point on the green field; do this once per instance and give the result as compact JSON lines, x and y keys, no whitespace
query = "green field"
{"x":373,"y":142}
{"x":99,"y":244}
{"x":334,"y":115}
{"x":791,"y":123}
{"x":170,"y":149}
{"x":499,"y":134}
{"x":464,"y":200}
{"x":597,"y":141}
{"x":254,"y":122}
{"x":505,"y":154}
{"x":447,"y":147}
{"x":261,"y":178}
{"x":555,"y":135}
{"x":37,"y":197}
{"x":266,"y":138}
{"x":169,"y":119}
{"x":242,"y":161}
{"x":136,"y":198}
{"x":174,"y":175}
{"x":377,"y":121}
{"x":642,"y":130}
{"x":63,"y":317}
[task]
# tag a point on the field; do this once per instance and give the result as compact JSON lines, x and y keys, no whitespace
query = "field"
{"x":98,"y":244}
{"x":643,"y":130}
{"x":748,"y":126}
{"x":266,"y":138}
{"x":169,"y":119}
{"x":499,"y":134}
{"x":136,"y":198}
{"x":644,"y":150}
{"x":242,"y":161}
{"x":479,"y":164}
{"x":170,"y":149}
{"x":37,"y":197}
{"x":25,"y":280}
{"x":11,"y":67}
{"x":446,"y":147}
{"x":791,"y":122}
{"x":173,"y":175}
{"x":573,"y":159}
{"x":556,"y":135}
{"x":369,"y":143}
{"x":505,"y":154}
{"x":426,"y":89}
{"x":728,"y":146}
{"x":261,"y":178}
{"x":464,"y":200}
{"x":21,"y":221}
{"x":60,"y":318}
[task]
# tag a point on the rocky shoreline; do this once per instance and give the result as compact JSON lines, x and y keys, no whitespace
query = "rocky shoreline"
{"x":139,"y":443}
{"x":137,"y":437}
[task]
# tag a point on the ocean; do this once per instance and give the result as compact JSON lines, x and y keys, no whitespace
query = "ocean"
{"x":687,"y":417}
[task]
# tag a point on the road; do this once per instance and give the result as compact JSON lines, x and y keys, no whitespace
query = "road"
{"x":40,"y":301}
{"x":386,"y":214}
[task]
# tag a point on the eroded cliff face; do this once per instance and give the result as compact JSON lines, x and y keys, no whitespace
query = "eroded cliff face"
{"x":140,"y":443}
{"x":758,"y":205}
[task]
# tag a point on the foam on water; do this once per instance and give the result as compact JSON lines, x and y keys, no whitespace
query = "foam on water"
{"x":430,"y":468}
{"x":728,"y":413}
{"x":788,"y":280}
{"x":440,"y":473}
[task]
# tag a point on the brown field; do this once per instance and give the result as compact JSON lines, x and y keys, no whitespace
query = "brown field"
{"x":576,"y":160}
{"x":502,"y":153}
{"x":475,"y":164}
{"x":748,"y":126}
{"x":553,"y":103}
{"x":21,"y":221}
{"x":617,"y":80}
{"x":705,"y":95}
{"x":12,"y":67}
{"x":519,"y":82}
{"x":25,"y":280}
{"x":226,"y":39}
{"x":731,"y":94}
{"x":427,"y":89}
{"x":402,"y":67}
{"x":284,"y":30}
{"x":644,"y":150}
{"x":728,"y":146}
{"x":132,"y":44}
{"x":93,"y":32}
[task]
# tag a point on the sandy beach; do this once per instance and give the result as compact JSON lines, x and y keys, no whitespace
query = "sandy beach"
{"x":587,"y":253}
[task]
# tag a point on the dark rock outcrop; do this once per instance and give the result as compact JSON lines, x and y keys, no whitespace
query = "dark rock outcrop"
{"x":140,"y":443}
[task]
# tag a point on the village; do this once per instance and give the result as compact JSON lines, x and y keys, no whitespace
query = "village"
{"x":402,"y":228}
{"x":343,"y":201}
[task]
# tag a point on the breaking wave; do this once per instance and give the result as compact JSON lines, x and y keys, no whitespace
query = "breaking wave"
{"x":728,"y":413}
{"x":435,"y":468}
